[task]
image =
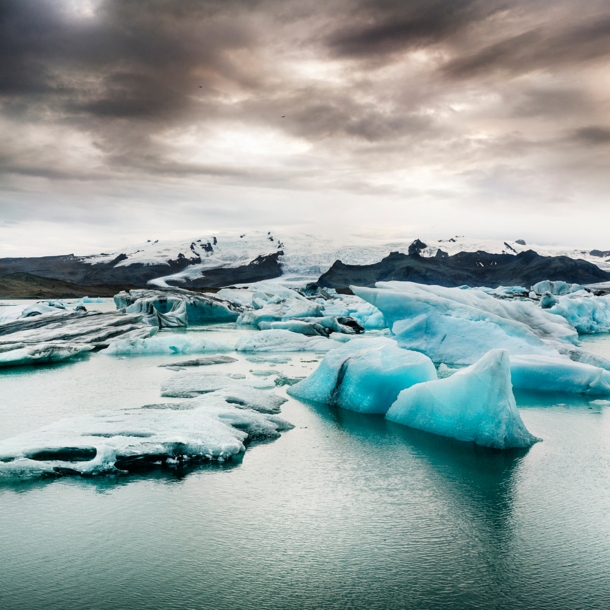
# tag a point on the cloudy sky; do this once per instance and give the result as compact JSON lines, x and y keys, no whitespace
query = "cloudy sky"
{"x":124,"y":120}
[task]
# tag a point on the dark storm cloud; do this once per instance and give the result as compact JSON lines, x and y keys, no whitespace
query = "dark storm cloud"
{"x":379,"y":28}
{"x":537,"y":49}
{"x":303,"y":95}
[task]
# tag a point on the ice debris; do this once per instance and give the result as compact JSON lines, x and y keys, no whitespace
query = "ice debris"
{"x":475,"y":404}
{"x":555,"y":288}
{"x":204,"y":361}
{"x":365,"y":375}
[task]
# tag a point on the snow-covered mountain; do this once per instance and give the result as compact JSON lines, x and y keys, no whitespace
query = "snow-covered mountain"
{"x":305,"y":257}
{"x":219,"y":259}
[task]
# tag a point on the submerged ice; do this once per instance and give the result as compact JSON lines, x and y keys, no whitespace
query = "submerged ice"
{"x":475,"y":404}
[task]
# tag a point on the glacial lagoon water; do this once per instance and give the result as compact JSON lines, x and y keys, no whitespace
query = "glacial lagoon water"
{"x":343,"y":511}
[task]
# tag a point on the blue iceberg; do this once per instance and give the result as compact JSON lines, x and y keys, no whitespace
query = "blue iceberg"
{"x":475,"y":404}
{"x":365,"y":375}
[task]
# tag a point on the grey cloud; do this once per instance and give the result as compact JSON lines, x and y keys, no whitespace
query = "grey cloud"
{"x":592,"y":135}
{"x":387,"y":27}
{"x":537,"y":49}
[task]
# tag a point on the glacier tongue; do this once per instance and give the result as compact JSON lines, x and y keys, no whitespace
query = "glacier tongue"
{"x":475,"y":404}
{"x":365,"y":375}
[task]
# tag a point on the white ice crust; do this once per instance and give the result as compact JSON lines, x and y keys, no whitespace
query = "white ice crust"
{"x":167,"y":344}
{"x":475,"y":404}
{"x":282,"y":341}
{"x":190,"y":384}
{"x":365,"y":375}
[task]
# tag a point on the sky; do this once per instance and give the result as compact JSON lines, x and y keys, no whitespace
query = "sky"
{"x":127,"y":120}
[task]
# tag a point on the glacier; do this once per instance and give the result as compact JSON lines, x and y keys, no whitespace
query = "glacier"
{"x":475,"y":404}
{"x":365,"y":375}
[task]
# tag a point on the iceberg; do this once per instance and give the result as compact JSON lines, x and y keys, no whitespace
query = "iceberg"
{"x":546,"y":374}
{"x":365,"y":375}
{"x":167,"y":344}
{"x":201,"y":308}
{"x":587,"y":315}
{"x":556,"y":288}
{"x":282,"y":341}
{"x":176,"y":317}
{"x":137,"y":440}
{"x":61,"y":335}
{"x":475,"y":404}
{"x":460,"y":326}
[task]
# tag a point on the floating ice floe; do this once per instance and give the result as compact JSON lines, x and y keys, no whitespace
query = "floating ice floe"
{"x":167,"y":344}
{"x":136,"y":440}
{"x":201,"y":308}
{"x":282,"y":341}
{"x":41,"y":353}
{"x":191,"y":384}
{"x":205,"y":361}
{"x":365,"y":375}
{"x":475,"y":404}
{"x":311,"y":329}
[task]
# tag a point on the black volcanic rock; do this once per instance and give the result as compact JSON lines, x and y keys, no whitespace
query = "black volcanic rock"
{"x":261,"y":268}
{"x":77,"y":270}
{"x":28,"y":286}
{"x":471,"y":268}
{"x":416,"y":247}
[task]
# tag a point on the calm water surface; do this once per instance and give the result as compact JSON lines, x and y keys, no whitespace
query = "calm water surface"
{"x":344,"y":511}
